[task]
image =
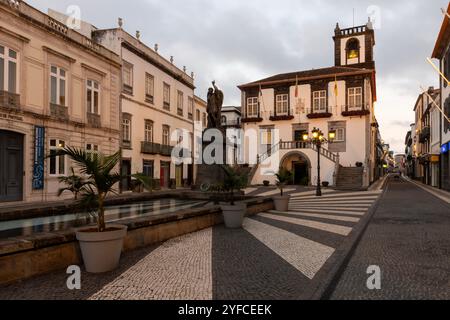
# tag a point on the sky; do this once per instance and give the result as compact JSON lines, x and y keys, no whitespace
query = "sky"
{"x":236,"y":41}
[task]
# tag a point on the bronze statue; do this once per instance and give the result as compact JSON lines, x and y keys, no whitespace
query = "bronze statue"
{"x":214,"y":107}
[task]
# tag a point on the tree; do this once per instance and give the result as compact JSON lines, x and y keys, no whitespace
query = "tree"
{"x":284,"y":177}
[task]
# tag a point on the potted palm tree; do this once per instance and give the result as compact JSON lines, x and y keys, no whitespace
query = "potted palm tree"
{"x":281,"y":202}
{"x":236,"y":178}
{"x":74,"y":184}
{"x":101,"y":246}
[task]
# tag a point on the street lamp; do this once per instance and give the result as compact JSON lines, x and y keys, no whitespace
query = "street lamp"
{"x":318,"y":139}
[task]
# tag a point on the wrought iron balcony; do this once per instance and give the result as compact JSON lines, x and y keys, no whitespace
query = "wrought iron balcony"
{"x":319,"y":114}
{"x":156,"y":148}
{"x":231,"y":124}
{"x":277,"y":116}
{"x":150,"y":147}
{"x":9,"y":100}
{"x":355,"y":110}
{"x":425,"y":134}
{"x":59,"y":112}
{"x":252,"y":118}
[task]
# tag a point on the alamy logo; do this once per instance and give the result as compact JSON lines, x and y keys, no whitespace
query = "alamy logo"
{"x":374,"y":281}
{"x":74,"y":280}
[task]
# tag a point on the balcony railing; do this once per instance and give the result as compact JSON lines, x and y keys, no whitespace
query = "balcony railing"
{"x":9,"y":100}
{"x":282,"y":116}
{"x":94,"y":120}
{"x":424,"y":135}
{"x":252,"y":118}
{"x":60,"y":112}
{"x":318,"y":114}
{"x":231,"y":123}
{"x":355,"y":110}
{"x":156,"y":148}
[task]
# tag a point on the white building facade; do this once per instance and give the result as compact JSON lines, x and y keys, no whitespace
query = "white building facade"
{"x":282,"y":108}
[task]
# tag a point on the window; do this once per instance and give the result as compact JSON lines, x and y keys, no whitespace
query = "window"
{"x":252,"y":107}
{"x":204,"y":119}
{"x":126,"y":127}
{"x":57,"y":163}
{"x":190,"y":108}
{"x":320,"y":101}
{"x":8,"y":70}
{"x":127,"y":78}
{"x":355,"y":98}
{"x":197,"y":115}
{"x":148,"y":131}
{"x":149,"y":88}
{"x":180,"y":105}
{"x":92,"y":150}
{"x":224,"y":121}
{"x":353,"y":49}
{"x":166,"y":135}
{"x":166,"y":95}
{"x":148,"y":168}
{"x":340,"y":135}
{"x":282,"y":104}
{"x":93,"y":97}
{"x":57,"y":86}
{"x":266,"y":137}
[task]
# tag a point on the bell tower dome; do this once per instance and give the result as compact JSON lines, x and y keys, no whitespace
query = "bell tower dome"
{"x":354,"y":46}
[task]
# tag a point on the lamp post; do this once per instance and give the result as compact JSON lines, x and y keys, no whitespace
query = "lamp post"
{"x":318,"y":139}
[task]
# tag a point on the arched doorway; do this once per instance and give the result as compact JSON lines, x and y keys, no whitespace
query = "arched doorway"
{"x":300,"y":166}
{"x":11,"y":166}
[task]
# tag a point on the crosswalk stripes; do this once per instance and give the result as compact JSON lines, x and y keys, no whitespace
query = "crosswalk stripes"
{"x":334,"y":214}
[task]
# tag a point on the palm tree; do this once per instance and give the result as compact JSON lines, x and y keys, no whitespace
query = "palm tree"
{"x":74,"y":184}
{"x":284,"y":177}
{"x":100,"y":179}
{"x":236,"y":178}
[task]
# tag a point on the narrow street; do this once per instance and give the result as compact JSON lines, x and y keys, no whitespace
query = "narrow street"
{"x":409,"y":239}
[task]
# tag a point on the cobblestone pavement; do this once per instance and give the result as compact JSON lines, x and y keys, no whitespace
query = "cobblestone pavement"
{"x":409,"y":239}
{"x":277,"y":255}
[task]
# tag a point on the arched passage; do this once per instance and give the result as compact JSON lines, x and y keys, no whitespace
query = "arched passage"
{"x":300,"y":165}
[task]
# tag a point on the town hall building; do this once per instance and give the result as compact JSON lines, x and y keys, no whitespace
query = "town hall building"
{"x":340,"y":99}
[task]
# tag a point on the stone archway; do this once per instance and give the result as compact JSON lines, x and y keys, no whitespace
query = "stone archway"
{"x":300,"y":165}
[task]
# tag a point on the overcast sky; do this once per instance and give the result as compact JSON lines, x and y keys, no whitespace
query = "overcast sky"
{"x":236,"y":41}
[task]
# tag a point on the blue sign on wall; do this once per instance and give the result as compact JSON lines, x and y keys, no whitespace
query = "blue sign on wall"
{"x":445,"y":148}
{"x":39,"y":157}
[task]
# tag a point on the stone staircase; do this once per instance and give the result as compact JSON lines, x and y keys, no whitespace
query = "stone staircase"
{"x":350,"y":179}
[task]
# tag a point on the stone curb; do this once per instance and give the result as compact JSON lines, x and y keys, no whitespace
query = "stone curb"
{"x":333,"y":269}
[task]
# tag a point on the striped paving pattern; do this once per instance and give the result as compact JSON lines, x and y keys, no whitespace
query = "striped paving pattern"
{"x":296,"y":235}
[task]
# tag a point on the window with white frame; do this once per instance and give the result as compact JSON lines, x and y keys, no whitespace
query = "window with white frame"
{"x":252,"y":107}
{"x":58,"y":86}
{"x":57,"y":164}
{"x":355,"y":98}
{"x":320,"y":101}
{"x":166,"y":96}
{"x":340,"y":135}
{"x":282,"y":104}
{"x":126,"y":128}
{"x":8,"y":69}
{"x":93,"y":97}
{"x":166,"y":135}
{"x":180,"y":104}
{"x":92,"y":150}
{"x":148,"y":131}
{"x":127,"y":77}
{"x":190,"y":108}
{"x":149,"y":88}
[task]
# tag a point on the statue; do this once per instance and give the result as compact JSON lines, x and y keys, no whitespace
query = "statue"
{"x":214,"y":107}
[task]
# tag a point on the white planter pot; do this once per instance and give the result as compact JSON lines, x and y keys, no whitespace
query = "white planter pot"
{"x":101,"y":250}
{"x":234,"y":215}
{"x":282,"y":203}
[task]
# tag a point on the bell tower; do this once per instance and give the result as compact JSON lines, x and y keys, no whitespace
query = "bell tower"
{"x":353,"y":47}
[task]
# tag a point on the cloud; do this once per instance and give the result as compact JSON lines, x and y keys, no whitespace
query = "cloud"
{"x":234,"y":42}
